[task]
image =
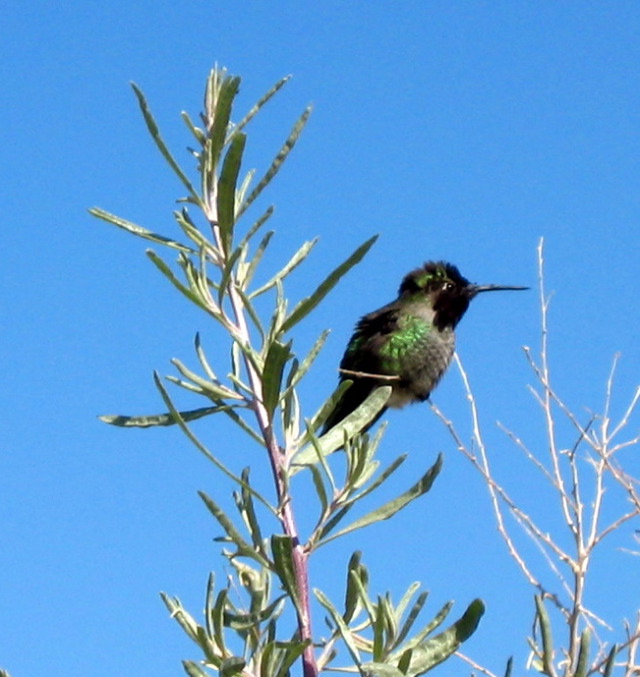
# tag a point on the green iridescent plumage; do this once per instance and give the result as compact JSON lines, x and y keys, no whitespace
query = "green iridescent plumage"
{"x":411,"y":332}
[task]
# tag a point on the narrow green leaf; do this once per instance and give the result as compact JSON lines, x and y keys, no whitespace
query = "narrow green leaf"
{"x":282,"y":552}
{"x":383,"y":477}
{"x":351,"y":597}
{"x":509,"y":667}
{"x":433,"y":651}
{"x":234,"y":535}
{"x":135,"y":229}
{"x":343,"y":628}
{"x":582,"y":664}
{"x":321,"y":492}
{"x":232,"y":666}
{"x":194,"y":278}
{"x":184,"y":220}
{"x":203,"y":358}
{"x":337,"y":516}
{"x":308,"y":360}
{"x":429,"y":628}
{"x":608,"y":667}
{"x":257,"y":225}
{"x":413,"y":615}
{"x":277,"y":161}
{"x":322,"y":461}
{"x":243,"y":622}
{"x":168,"y":273}
{"x":350,"y":426}
{"x":227,"y":189}
{"x":182,"y":617}
{"x":217,"y":618}
{"x":254,"y":357}
{"x":251,"y":311}
{"x":322,"y":414}
{"x":209,"y":604}
{"x":269,"y":659}
{"x":191,"y":387}
{"x":405,"y":661}
{"x":392,"y":507}
{"x":308,"y":304}
{"x":290,"y":411}
{"x":360,"y":465}
{"x":261,"y":102}
{"x":227,"y":272}
{"x":212,"y":389}
{"x":279,"y":312}
{"x":360,"y":581}
{"x":211,"y":653}
{"x":162,"y":147}
{"x":193,"y":669}
{"x":290,"y":266}
{"x":198,"y":133}
{"x":289,"y":655}
{"x":244,"y":186}
{"x":157,"y":419}
{"x":218,"y":103}
{"x":374,"y":669}
{"x":547,"y":636}
{"x":378,"y":633}
{"x":277,"y":356}
{"x":392,"y":618}
{"x":249,"y":512}
{"x":257,"y":258}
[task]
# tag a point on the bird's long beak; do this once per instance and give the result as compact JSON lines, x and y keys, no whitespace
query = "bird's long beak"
{"x":475,"y":289}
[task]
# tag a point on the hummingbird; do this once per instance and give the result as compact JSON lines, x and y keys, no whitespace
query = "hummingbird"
{"x":409,"y":343}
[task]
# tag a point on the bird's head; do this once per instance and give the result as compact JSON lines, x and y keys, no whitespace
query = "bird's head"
{"x":446,"y":291}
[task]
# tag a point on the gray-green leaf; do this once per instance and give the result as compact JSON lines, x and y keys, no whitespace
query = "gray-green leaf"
{"x":390,"y":508}
{"x":308,"y":304}
{"x":157,"y":419}
{"x":435,"y":650}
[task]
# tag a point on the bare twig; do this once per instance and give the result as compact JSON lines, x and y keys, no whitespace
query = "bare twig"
{"x":586,"y":467}
{"x":476,"y":666}
{"x":364,"y":374}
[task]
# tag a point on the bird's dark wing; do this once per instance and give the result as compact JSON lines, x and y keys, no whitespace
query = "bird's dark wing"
{"x":363,"y":352}
{"x":363,"y":355}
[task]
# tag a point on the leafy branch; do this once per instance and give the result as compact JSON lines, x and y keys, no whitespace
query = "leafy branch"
{"x":246,"y":628}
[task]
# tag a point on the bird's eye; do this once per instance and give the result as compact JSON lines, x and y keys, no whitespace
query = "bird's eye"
{"x":447,"y":286}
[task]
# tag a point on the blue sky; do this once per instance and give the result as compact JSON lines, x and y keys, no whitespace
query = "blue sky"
{"x":462,"y":131}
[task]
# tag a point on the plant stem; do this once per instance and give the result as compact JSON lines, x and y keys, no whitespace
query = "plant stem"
{"x":276,"y":458}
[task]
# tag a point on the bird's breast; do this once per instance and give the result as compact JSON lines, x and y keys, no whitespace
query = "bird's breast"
{"x":422,"y":368}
